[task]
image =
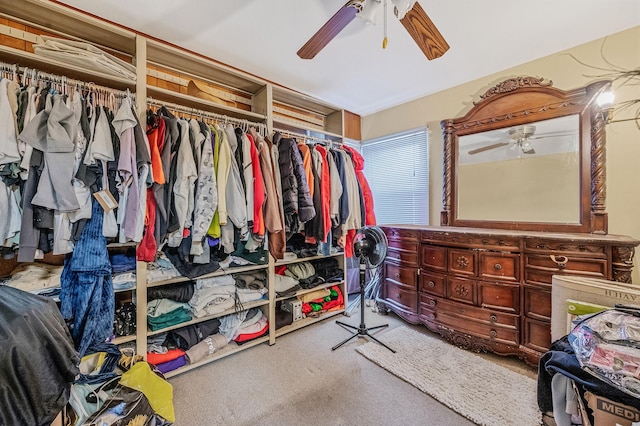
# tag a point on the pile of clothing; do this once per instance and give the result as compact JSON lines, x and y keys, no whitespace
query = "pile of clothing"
{"x":191,"y":344}
{"x":306,"y":275}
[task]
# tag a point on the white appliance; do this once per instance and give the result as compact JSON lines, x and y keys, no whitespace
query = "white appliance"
{"x":589,"y":290}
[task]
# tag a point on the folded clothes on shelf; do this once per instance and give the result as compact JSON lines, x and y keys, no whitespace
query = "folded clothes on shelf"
{"x":161,"y":269}
{"x":187,"y":337}
{"x":179,"y":292}
{"x":84,"y":55}
{"x":122,"y":262}
{"x":124,"y":281}
{"x":163,"y":313}
{"x":35,"y":276}
{"x":206,"y":347}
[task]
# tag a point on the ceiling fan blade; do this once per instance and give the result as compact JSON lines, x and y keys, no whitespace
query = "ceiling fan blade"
{"x":424,"y":32}
{"x":488,"y":147}
{"x":330,"y":29}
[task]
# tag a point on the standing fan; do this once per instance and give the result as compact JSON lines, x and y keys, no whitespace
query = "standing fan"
{"x":370,"y":246}
{"x":409,"y":12}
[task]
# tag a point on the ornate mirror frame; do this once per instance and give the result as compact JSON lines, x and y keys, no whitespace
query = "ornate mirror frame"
{"x":523,"y":100}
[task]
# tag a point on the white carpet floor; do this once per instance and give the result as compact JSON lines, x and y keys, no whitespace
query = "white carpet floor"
{"x":301,"y":381}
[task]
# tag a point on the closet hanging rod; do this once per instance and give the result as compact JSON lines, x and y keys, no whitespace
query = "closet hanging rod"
{"x":306,"y":137}
{"x":36,"y":74}
{"x":204,"y":114}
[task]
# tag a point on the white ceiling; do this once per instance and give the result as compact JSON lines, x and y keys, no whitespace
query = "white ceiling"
{"x":353,"y":71}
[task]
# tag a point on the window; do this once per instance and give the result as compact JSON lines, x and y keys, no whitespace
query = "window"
{"x":397,"y":168}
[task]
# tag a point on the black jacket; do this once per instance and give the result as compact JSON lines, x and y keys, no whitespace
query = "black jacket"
{"x":296,"y":198}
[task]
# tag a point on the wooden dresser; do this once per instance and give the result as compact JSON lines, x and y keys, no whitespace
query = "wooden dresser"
{"x":490,"y":290}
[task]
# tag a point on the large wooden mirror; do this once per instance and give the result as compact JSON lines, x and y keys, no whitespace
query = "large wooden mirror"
{"x":527,"y":156}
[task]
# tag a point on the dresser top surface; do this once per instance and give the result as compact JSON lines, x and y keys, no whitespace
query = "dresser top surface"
{"x":586,"y":237}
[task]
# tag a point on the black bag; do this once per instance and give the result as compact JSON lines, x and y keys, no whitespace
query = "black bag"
{"x":124,"y":323}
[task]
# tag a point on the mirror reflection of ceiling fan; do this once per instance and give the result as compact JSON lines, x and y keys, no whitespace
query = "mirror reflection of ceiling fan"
{"x":409,"y":12}
{"x":520,"y":138}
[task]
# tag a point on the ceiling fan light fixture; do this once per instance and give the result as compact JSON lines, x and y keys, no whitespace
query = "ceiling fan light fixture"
{"x":402,"y":7}
{"x":369,"y":11}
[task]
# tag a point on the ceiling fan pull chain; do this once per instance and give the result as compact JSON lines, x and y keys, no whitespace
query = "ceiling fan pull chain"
{"x":385,"y":40}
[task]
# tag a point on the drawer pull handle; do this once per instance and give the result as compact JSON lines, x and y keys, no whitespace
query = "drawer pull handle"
{"x":493,"y":318}
{"x":432,"y":303}
{"x":432,"y":316}
{"x":432,"y":284}
{"x":398,"y":257}
{"x":461,"y":310}
{"x":397,"y":295}
{"x":497,"y":266}
{"x":397,"y":275}
{"x":493,"y":333}
{"x":561,"y":261}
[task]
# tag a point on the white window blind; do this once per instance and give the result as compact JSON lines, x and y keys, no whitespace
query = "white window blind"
{"x":397,"y":168}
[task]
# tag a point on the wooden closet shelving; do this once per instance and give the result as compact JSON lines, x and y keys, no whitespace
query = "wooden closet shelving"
{"x":163,"y":73}
{"x":218,"y":273}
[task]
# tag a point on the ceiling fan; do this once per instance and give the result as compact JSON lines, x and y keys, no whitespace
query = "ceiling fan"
{"x":409,"y":12}
{"x":519,"y":137}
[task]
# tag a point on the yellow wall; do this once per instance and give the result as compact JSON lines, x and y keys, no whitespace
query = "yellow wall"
{"x":623,"y":139}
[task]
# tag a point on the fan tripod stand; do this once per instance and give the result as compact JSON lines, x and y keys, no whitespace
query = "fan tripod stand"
{"x":362,"y":330}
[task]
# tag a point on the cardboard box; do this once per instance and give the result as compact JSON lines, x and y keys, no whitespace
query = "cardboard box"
{"x":609,"y":413}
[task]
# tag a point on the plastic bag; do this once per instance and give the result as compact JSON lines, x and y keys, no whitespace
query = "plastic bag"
{"x":607,"y":345}
{"x":158,"y":391}
{"x":126,"y":407}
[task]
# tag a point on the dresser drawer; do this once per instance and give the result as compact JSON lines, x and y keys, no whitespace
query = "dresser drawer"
{"x":497,"y":295}
{"x":428,"y":302}
{"x":402,"y":234}
{"x":408,"y":258}
{"x":506,"y":335}
{"x":401,"y":275}
{"x":427,"y":315}
{"x":540,"y":268}
{"x":503,"y":266}
{"x":461,"y":289}
{"x":462,"y":262}
{"x":426,"y":307}
{"x":536,"y":335}
{"x":432,"y":283}
{"x":569,"y":248}
{"x":537,"y":303}
{"x":433,"y":257}
{"x":404,"y":245}
{"x":485,"y":316}
{"x":400,"y":295}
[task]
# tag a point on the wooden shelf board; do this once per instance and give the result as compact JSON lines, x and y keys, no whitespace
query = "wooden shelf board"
{"x":226,"y":351}
{"x":305,"y":322}
{"x":191,"y":63}
{"x":124,"y":339}
{"x":32,"y":60}
{"x":305,"y":259}
{"x":160,"y":94}
{"x":310,"y":290}
{"x":246,"y":306}
{"x":61,"y":19}
{"x":300,"y":100}
{"x":218,"y":273}
{"x":298,"y":126}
